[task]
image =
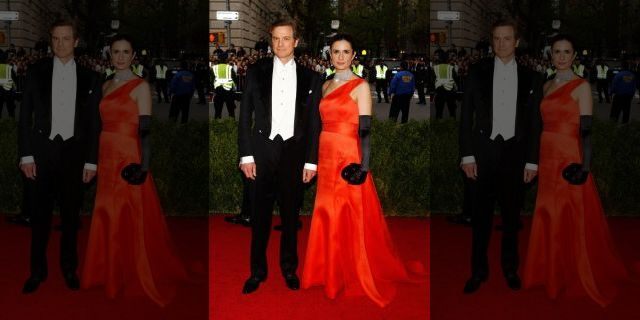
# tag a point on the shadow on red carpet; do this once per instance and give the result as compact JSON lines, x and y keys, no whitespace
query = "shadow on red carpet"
{"x":229,"y":264}
{"x":54,"y":301}
{"x":450,"y":267}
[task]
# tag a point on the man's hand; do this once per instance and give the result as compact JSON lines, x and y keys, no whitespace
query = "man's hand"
{"x":87,"y":175}
{"x":29,"y":170}
{"x":307,"y":175}
{"x":529,"y":175}
{"x":249,"y":170}
{"x":470,"y":170}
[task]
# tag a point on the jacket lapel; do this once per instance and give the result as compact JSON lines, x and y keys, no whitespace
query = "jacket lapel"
{"x":47,"y":89}
{"x":300,"y":96}
{"x":81,"y":92}
{"x":266,"y":94}
{"x":489,"y":81}
{"x":523,"y":94}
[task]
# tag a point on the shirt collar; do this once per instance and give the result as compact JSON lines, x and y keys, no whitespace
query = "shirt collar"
{"x":510,"y":64}
{"x":278,"y":64}
{"x":57,"y":63}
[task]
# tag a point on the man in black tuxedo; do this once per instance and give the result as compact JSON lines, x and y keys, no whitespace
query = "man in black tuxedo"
{"x":58,"y":143}
{"x":280,"y":150}
{"x":499,"y":140}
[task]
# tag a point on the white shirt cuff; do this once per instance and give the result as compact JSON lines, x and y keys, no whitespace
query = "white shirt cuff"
{"x":90,"y":166}
{"x":531,"y":166}
{"x":27,"y":160}
{"x":311,"y":166}
{"x":467,"y":160}
{"x":247,"y":159}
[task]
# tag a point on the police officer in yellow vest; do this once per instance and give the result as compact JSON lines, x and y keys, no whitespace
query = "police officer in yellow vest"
{"x":329,"y":71}
{"x":108,"y":72}
{"x":7,"y":85}
{"x":160,"y":76}
{"x":550,"y":73}
{"x":223,"y":85}
{"x":357,"y":68}
{"x":137,"y":68}
{"x":602,"y":72}
{"x":445,"y":75}
{"x":578,"y":68}
{"x":382,"y":80}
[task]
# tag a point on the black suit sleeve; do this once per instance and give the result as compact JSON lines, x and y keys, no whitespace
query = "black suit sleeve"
{"x":25,"y":124}
{"x":315,"y":125}
{"x":95,"y":123}
{"x":535,"y":125}
{"x":246,"y":112}
{"x":467,"y":113}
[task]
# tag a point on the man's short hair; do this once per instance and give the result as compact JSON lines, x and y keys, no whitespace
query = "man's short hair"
{"x":284,"y":23}
{"x":506,"y":23}
{"x":65,"y":23}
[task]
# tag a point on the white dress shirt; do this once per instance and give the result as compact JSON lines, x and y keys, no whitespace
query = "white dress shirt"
{"x":505,"y":101}
{"x":284,"y":84}
{"x":63,"y":104}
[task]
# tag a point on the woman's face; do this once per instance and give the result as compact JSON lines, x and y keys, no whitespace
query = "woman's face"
{"x":341,"y":55}
{"x":122,"y":54}
{"x":562,"y":54}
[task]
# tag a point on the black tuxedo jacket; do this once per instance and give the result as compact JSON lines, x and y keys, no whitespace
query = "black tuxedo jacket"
{"x":35,"y":110}
{"x":256,"y":101}
{"x":477,"y":110}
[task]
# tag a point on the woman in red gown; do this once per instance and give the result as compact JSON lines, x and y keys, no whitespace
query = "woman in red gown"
{"x":129,"y":247}
{"x":349,"y":246}
{"x":570,"y":248}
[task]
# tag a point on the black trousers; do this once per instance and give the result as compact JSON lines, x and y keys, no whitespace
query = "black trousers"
{"x":161,"y":90}
{"x":500,"y":179}
{"x":223,"y":96}
{"x":420,"y":88}
{"x":7,"y":97}
{"x":248,"y":191}
{"x":180,"y":105}
{"x":279,"y":167}
{"x":381,"y":89}
{"x":60,"y":167}
{"x":621,"y":104}
{"x":469,"y":194}
{"x":400,"y":103}
{"x":201,"y":93}
{"x":445,"y":96}
{"x":603,"y":87}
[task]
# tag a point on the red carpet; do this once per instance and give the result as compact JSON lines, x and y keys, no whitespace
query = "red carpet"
{"x":54,"y":301}
{"x":229,"y":264}
{"x":450,"y":263}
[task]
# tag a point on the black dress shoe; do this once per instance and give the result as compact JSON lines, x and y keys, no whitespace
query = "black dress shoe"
{"x":251,"y":284}
{"x":72,"y":281}
{"x":279,"y":227}
{"x":238,"y":219}
{"x":513,"y":281}
{"x":20,"y":219}
{"x":32,"y":284}
{"x":474,"y":283}
{"x":292,"y":281}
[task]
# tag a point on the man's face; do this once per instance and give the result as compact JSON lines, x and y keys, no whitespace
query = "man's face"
{"x":283,"y":42}
{"x":504,"y":42}
{"x":63,"y":42}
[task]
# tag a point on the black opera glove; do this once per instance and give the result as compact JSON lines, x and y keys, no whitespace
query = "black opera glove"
{"x":574,"y":174}
{"x":134,"y":174}
{"x":354,"y":174}
{"x":577,"y":173}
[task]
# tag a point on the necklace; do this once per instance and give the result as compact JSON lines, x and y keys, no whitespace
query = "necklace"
{"x":342,"y":75}
{"x":123,"y":75}
{"x":564,"y":75}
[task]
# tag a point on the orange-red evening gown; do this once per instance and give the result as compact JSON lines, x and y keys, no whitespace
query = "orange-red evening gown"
{"x":129,"y":248}
{"x":349,"y":246}
{"x":570,"y":247}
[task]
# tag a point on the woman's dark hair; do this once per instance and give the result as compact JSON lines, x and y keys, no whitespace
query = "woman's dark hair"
{"x":342,"y":36}
{"x":121,"y":37}
{"x":563,"y":37}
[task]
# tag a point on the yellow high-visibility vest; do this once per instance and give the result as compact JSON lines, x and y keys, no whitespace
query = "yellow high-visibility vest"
{"x":550,"y":72}
{"x":108,"y":72}
{"x":5,"y":76}
{"x":137,"y":69}
{"x":161,"y":72}
{"x":381,"y":72}
{"x":579,"y":70}
{"x":444,"y":76}
{"x":357,"y":70}
{"x":222,"y":72}
{"x":329,"y":72}
{"x":602,"y":71}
